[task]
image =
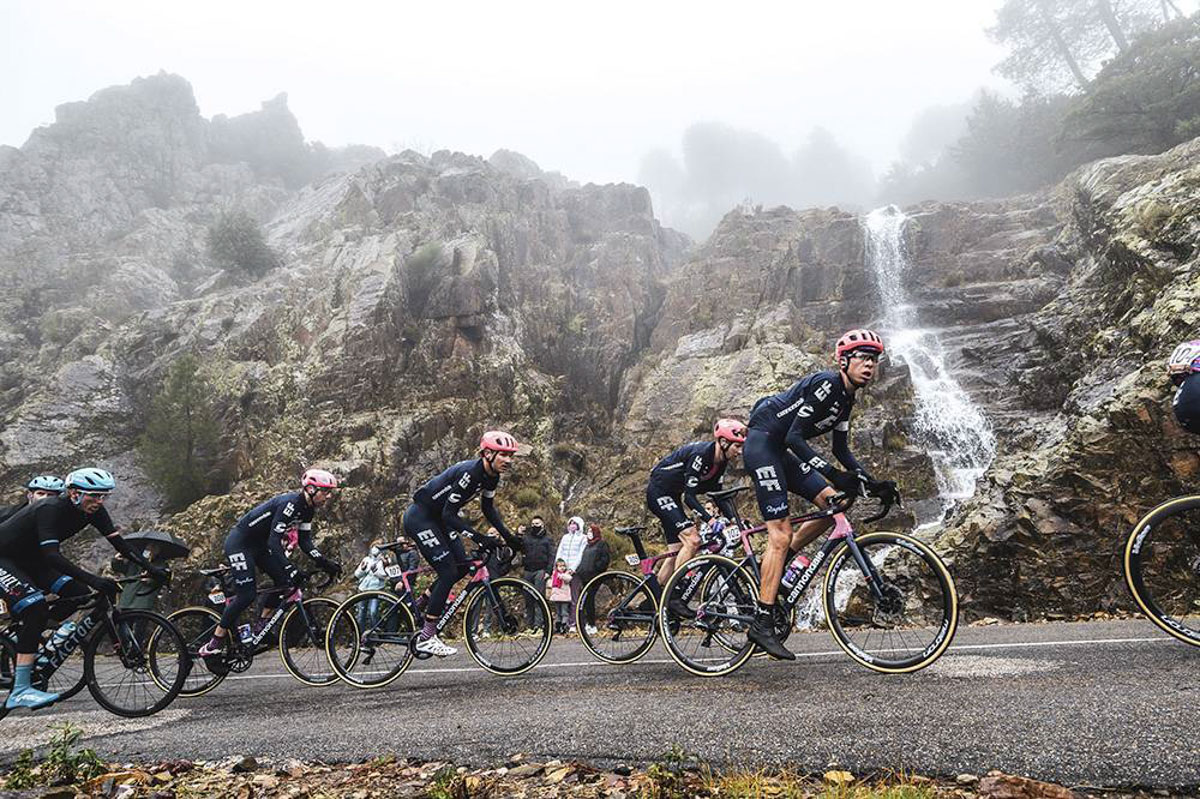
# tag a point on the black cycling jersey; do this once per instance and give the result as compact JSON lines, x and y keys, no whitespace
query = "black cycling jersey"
{"x":1187,"y":403}
{"x":688,"y":471}
{"x":265,"y":525}
{"x":445,"y":495}
{"x":10,"y":510}
{"x":813,"y":406}
{"x":35,"y":532}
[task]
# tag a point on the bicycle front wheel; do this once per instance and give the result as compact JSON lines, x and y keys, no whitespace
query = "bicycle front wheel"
{"x":497,"y":632}
{"x":904,"y":620}
{"x":621,"y":610}
{"x":196,"y":625}
{"x":124,"y":671}
{"x":1162,"y":567}
{"x":302,"y":641}
{"x":367,"y":642}
{"x":724,"y":610}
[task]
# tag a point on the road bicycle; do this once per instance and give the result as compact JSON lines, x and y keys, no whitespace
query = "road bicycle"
{"x":617,"y":612}
{"x":371,"y":639}
{"x":122,"y":671}
{"x":296,"y":627}
{"x":888,"y":599}
{"x":1162,"y":567}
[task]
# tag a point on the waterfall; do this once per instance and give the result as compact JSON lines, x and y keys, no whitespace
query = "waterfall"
{"x":954,"y":431}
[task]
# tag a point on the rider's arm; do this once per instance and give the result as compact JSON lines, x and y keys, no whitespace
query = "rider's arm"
{"x":691,"y":481}
{"x":841,"y":448}
{"x":488,"y":503}
{"x":47,"y":534}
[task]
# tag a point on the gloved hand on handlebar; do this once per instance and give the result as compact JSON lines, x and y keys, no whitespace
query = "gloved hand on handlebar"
{"x":103,"y":585}
{"x":328,"y":565}
{"x":159,"y":573}
{"x":849,"y":484}
{"x":883,"y":490}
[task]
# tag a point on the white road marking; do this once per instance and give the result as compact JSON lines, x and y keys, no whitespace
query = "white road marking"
{"x":954,"y":648}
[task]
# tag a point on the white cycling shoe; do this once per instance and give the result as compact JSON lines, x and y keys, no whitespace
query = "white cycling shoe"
{"x":434,"y":646}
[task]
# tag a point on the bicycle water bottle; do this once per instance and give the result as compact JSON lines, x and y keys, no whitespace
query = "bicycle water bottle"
{"x":245,"y":633}
{"x":60,"y":636}
{"x":794,"y":570}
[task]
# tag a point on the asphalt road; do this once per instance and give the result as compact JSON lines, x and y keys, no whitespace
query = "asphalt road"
{"x":1084,"y":704}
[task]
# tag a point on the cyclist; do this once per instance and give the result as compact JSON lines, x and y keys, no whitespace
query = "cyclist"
{"x":433,"y":522}
{"x":32,"y":565}
{"x":1182,"y":367}
{"x":43,"y":486}
{"x":257,"y":542}
{"x":692,"y":469}
{"x":780,"y":460}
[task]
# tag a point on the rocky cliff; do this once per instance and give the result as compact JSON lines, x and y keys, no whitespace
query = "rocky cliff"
{"x":419,"y":299}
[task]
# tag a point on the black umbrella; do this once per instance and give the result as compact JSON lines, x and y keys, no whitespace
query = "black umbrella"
{"x":168,"y":545}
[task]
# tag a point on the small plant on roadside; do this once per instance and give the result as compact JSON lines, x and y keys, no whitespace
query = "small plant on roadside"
{"x":667,"y":777}
{"x":63,"y":765}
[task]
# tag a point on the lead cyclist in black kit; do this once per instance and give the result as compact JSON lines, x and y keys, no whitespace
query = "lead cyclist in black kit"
{"x":779,"y":460}
{"x":434,"y":523}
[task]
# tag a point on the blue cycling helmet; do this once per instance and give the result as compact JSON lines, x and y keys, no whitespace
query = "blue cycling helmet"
{"x":45,"y":482}
{"x":91,"y":479}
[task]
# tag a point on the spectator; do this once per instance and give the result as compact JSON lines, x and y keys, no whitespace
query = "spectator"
{"x":570,"y":550}
{"x":560,"y":596}
{"x":537,"y":549}
{"x":141,"y":594}
{"x":372,"y":576}
{"x":596,"y":556}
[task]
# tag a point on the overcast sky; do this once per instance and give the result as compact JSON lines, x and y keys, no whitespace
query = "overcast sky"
{"x":585,"y":89}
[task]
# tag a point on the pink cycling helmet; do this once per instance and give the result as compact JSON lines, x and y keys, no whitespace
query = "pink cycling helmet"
{"x":498,"y":441}
{"x":859,"y":339}
{"x":730,"y":430}
{"x":318,"y":478}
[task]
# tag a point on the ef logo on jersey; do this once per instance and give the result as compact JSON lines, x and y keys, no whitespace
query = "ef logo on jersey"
{"x":666,"y":503}
{"x":238,"y":561}
{"x":766,"y":477}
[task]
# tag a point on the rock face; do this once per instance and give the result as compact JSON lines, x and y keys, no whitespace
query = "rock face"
{"x":422,"y":299}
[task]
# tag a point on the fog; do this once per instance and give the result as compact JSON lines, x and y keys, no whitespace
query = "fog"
{"x":762,"y":101}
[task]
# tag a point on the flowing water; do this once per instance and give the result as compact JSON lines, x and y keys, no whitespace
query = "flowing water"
{"x":947,"y":424}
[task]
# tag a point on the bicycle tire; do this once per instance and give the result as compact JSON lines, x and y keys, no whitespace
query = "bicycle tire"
{"x":509,"y":629}
{"x":938,"y":618}
{"x":728,"y":611}
{"x":308,"y":664}
{"x":354,"y":653}
{"x":1144,"y":564}
{"x":609,"y":598}
{"x":195,"y":624}
{"x":112,"y":665}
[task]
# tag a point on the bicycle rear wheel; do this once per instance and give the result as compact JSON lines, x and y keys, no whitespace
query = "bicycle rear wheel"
{"x":1162,"y":567}
{"x":367,"y":642}
{"x":496,"y":631}
{"x":123,"y":670}
{"x":196,"y":625}
{"x":302,"y":641}
{"x":912,"y":621}
{"x":621,"y":609}
{"x":724,"y":611}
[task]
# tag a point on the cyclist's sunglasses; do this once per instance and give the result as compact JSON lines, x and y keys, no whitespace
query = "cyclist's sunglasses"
{"x":865,"y":355}
{"x":100,"y":495}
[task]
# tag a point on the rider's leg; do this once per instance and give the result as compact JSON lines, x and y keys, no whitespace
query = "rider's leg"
{"x":674,"y":521}
{"x":443,"y":550}
{"x":813,"y":529}
{"x":689,"y":543}
{"x":666,"y":567}
{"x":27,"y":605}
{"x":245,"y":586}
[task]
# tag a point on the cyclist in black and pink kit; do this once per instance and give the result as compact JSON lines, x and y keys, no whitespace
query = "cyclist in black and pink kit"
{"x":780,"y":460}
{"x":256,"y":543}
{"x":1183,"y":367}
{"x":434,"y":523}
{"x":695,"y":468}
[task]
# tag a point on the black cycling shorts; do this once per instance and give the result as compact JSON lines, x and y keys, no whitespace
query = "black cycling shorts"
{"x":22,"y":584}
{"x":433,"y":541}
{"x":776,"y":471}
{"x":669,"y":511}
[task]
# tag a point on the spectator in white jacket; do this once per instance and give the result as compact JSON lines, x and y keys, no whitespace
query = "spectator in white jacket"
{"x":570,"y":550}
